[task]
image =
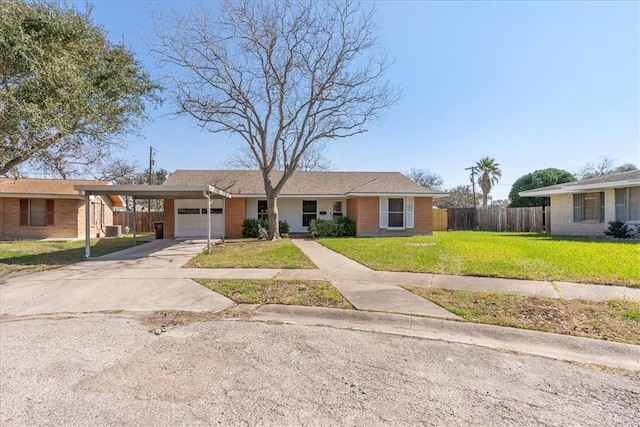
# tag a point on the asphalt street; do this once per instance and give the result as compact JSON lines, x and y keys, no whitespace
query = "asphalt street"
{"x":109,"y":369}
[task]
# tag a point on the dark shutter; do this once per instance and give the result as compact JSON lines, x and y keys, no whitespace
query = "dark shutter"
{"x":24,"y":212}
{"x":577,"y":208}
{"x":50,"y":211}
{"x":602,"y":206}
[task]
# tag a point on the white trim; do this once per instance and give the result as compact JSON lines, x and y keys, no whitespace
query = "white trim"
{"x":409,"y":213}
{"x":383,"y":220}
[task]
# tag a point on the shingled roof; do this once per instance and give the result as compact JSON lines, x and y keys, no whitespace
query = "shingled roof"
{"x":249,"y":183}
{"x":610,"y":181}
{"x":41,"y":188}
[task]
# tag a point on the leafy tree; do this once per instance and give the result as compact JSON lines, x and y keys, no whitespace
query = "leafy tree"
{"x":489,"y":174}
{"x":65,"y":91}
{"x":538,"y":179}
{"x":603,"y":167}
{"x":459,"y":197}
{"x":282,"y":75}
{"x":426,"y":178}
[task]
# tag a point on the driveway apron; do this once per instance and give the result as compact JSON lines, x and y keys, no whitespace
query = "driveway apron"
{"x":136,"y":279}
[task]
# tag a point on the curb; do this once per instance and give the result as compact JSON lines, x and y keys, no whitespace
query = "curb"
{"x":545,"y":344}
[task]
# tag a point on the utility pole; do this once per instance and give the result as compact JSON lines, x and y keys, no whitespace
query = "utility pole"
{"x":473,"y":182}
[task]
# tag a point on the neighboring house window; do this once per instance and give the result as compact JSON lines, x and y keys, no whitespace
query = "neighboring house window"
{"x":588,"y":207}
{"x":309,"y":211}
{"x":396,"y":212}
{"x":36,"y":212}
{"x":263,"y":210}
{"x":628,"y":204}
{"x":337,"y":209}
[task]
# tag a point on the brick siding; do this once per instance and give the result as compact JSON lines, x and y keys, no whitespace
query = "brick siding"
{"x":562,"y":216}
{"x":235,"y":214}
{"x":169,"y":226}
{"x":68,"y":220}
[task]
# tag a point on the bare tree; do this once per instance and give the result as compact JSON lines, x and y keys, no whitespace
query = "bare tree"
{"x":313,"y":159}
{"x":459,"y":197}
{"x":604,"y":166}
{"x":426,"y":178}
{"x":284,"y":76}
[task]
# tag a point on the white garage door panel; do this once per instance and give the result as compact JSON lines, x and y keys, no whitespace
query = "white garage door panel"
{"x":191,"y":218}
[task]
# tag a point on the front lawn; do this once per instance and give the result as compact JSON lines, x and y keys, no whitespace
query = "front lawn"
{"x":252,"y":254}
{"x":31,"y":256}
{"x":311,"y":293}
{"x":613,"y":320}
{"x":510,"y":255}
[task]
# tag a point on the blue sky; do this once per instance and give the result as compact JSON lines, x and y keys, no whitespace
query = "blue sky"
{"x":532,"y":84}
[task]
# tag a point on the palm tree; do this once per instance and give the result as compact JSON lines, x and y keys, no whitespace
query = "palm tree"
{"x":490,"y":173}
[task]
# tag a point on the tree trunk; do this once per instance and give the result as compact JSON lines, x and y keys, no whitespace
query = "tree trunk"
{"x":485,"y":196}
{"x":274,"y":219}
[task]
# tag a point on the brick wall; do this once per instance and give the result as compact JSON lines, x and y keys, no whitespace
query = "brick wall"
{"x":562,"y":216}
{"x":169,"y":226}
{"x":97,"y":225}
{"x":68,"y":221}
{"x":235,"y":214}
{"x":423,"y":215}
{"x":365,"y":212}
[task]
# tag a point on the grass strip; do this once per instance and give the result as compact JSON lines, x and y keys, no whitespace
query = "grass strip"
{"x":253,"y":254}
{"x":32,"y":256}
{"x":529,"y":256}
{"x":613,"y":320}
{"x":310,"y":293}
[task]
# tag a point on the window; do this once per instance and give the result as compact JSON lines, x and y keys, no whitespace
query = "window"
{"x":588,"y":207}
{"x":263,"y":210}
{"x":396,"y":213}
{"x":628,"y":204}
{"x":337,"y":209}
{"x":189,"y":211}
{"x":309,"y":209}
{"x":214,"y":211}
{"x":36,"y":212}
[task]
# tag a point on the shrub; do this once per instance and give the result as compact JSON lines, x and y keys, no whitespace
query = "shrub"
{"x":339,"y":227}
{"x":250,"y":227}
{"x":618,"y":230}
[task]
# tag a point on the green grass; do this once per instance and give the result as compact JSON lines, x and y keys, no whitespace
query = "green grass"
{"x":253,"y":254}
{"x":608,"y":320}
{"x":510,"y":255}
{"x":31,"y":256}
{"x":310,"y":293}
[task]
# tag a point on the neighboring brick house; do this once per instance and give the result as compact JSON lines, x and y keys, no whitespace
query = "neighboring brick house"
{"x":584,"y":208}
{"x":51,"y":209}
{"x":380,"y":203}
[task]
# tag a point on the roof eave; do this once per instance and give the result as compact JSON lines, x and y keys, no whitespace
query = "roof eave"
{"x":571,"y":189}
{"x":392,"y":194}
{"x":39,"y":196}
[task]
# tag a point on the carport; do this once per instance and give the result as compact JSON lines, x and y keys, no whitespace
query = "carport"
{"x":208,"y":192}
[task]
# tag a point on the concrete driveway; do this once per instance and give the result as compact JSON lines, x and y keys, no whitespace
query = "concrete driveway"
{"x":143,"y":278}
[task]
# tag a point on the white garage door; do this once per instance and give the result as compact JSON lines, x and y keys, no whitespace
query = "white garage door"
{"x":191,"y":218}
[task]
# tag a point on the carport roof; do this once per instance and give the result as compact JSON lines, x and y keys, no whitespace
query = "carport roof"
{"x":155,"y":191}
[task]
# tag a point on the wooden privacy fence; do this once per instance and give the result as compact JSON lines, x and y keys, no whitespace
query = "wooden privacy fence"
{"x":536,"y":219}
{"x":440,"y":220}
{"x":144,"y":220}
